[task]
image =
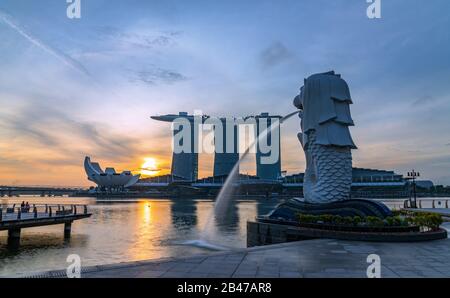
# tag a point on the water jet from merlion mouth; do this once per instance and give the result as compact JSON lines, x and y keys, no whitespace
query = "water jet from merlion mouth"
{"x":225,"y":195}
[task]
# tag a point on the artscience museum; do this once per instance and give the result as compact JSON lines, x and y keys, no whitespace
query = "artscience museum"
{"x":108,"y":179}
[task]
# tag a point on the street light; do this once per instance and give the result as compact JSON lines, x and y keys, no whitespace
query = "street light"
{"x":412,"y":175}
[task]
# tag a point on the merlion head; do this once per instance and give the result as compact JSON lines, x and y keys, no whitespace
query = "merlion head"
{"x":325,"y":102}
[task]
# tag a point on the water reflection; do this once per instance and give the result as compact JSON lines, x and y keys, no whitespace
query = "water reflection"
{"x":125,"y":230}
{"x":184,"y":213}
{"x":229,"y":219}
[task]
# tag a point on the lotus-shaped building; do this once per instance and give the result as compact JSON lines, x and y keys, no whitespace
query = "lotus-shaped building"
{"x":109,"y":178}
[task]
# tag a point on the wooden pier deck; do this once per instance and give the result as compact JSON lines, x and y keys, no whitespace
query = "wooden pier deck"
{"x":14,"y":219}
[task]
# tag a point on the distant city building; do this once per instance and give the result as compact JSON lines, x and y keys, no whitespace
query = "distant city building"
{"x":224,"y":161}
{"x":161,"y":180}
{"x":362,"y":177}
{"x":427,"y":184}
{"x":268,"y":171}
{"x":367,"y":183}
{"x":108,"y":179}
{"x":184,"y":164}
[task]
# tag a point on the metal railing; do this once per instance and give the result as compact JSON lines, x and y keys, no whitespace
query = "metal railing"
{"x":34,"y":211}
{"x":440,"y":204}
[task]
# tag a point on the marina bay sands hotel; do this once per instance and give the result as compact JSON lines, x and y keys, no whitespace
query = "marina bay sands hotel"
{"x":185,"y":165}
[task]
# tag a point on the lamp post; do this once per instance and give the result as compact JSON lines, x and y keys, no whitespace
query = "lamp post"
{"x":412,"y":175}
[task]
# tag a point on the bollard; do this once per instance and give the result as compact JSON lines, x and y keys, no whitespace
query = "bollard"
{"x":50,"y":211}
{"x":63,"y":209}
{"x":434,"y":205}
{"x":85,"y":209}
{"x":19,"y":213}
{"x":35,"y":211}
{"x":74,"y":209}
{"x":446,"y":204}
{"x":46,"y":208}
{"x":420,"y":204}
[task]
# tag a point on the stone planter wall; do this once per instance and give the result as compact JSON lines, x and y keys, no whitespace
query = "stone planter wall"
{"x":259,"y":233}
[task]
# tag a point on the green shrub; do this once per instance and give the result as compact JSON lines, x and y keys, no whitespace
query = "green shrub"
{"x":337,"y":219}
{"x":307,"y":218}
{"x":396,"y":221}
{"x":390,"y":221}
{"x":429,"y":221}
{"x":396,"y":212}
{"x":375,"y":221}
{"x":357,"y":220}
{"x":326,"y":218}
{"x":348,"y":220}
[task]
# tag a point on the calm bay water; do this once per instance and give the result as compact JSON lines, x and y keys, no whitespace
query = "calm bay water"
{"x":132,"y":230}
{"x":127,"y":230}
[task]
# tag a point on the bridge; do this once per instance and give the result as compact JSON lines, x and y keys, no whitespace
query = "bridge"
{"x":43,"y":191}
{"x":13,"y":219}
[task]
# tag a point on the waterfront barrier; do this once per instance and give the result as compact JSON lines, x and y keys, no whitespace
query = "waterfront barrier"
{"x":435,"y":204}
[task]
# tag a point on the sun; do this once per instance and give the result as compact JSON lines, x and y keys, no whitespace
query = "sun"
{"x":149,"y":167}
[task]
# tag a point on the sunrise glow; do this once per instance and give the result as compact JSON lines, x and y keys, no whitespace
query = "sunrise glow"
{"x":149,"y":167}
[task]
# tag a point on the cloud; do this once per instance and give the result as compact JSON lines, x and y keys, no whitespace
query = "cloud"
{"x":66,"y":137}
{"x":275,"y":54}
{"x":66,"y":59}
{"x":424,"y":100}
{"x":155,"y":75}
{"x":146,"y":40}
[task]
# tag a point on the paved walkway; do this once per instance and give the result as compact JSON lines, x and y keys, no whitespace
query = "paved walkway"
{"x":313,"y":258}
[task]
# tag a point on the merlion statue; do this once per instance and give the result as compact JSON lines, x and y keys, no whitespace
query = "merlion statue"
{"x":324,"y":103}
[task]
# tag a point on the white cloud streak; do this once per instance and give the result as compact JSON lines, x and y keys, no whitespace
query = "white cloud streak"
{"x":66,"y":59}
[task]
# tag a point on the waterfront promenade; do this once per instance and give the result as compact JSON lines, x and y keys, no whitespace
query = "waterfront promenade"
{"x":313,"y":258}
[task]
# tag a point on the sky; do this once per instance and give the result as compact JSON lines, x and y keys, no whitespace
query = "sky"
{"x":76,"y":87}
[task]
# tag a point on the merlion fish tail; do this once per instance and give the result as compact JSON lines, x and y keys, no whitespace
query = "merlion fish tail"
{"x":328,"y":175}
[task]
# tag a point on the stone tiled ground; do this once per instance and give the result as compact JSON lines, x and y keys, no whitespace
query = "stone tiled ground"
{"x":313,"y":258}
